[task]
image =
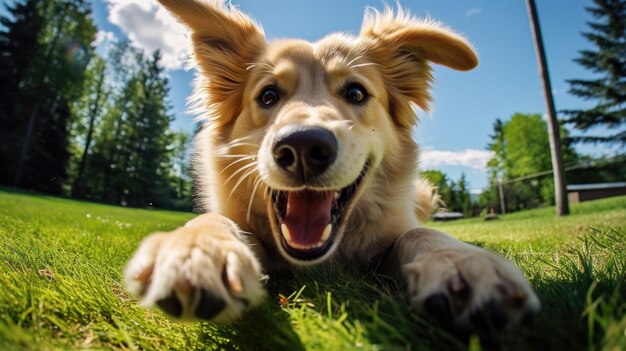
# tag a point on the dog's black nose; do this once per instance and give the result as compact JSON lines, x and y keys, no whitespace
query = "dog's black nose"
{"x":305,"y":151}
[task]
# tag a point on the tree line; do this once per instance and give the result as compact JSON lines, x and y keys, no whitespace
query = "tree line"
{"x":520,"y":168}
{"x":81,"y":124}
{"x":78,"y":123}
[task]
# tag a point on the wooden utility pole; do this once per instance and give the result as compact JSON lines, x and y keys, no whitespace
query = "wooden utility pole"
{"x":560,"y":192}
{"x":501,"y":194}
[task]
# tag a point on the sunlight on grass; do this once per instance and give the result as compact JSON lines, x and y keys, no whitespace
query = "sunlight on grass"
{"x":61,"y":265}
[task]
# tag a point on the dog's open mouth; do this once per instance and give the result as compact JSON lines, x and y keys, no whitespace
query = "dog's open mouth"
{"x":309,"y":220}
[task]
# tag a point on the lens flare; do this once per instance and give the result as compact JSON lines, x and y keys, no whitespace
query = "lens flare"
{"x":76,"y":54}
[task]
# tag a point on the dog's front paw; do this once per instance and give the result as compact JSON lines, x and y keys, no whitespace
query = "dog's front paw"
{"x":196,"y":273}
{"x":470,"y":288}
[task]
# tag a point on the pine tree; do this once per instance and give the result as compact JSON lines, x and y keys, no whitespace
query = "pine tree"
{"x":133,"y":153}
{"x":89,"y":109}
{"x":19,"y":45}
{"x":608,"y":63}
{"x":150,"y":164}
{"x":464,"y":198}
{"x":48,"y":79}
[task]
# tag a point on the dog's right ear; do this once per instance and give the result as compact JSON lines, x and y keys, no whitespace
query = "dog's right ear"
{"x":225,"y":43}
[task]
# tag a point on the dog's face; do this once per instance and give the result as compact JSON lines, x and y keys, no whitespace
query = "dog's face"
{"x":306,"y":129}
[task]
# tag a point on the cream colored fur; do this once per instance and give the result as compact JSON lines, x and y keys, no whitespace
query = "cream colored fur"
{"x":233,"y":163}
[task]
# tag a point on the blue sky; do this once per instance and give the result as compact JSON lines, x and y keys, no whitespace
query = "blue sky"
{"x":454,"y":136}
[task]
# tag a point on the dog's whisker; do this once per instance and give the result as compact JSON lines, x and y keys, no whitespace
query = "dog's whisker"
{"x":231,"y":146}
{"x":366,"y":64}
{"x":241,"y":179}
{"x":237,"y":142}
{"x":266,"y":191}
{"x":254,"y":189}
{"x":247,"y":157}
{"x":244,"y":138}
{"x":349,"y":64}
{"x":242,"y":169}
{"x":261,"y":65}
{"x":234,"y":163}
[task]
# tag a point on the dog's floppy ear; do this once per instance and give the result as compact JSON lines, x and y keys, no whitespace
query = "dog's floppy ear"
{"x":403,"y":46}
{"x":225,"y":43}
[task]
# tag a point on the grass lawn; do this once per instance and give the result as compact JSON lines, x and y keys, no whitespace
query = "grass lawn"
{"x":61,"y":265}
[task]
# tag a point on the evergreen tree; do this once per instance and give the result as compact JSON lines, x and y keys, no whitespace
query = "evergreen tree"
{"x":149,"y":167}
{"x":464,"y":199}
{"x":132,"y":154}
{"x":19,"y":45}
{"x":88,"y":109}
{"x":48,"y":82}
{"x":608,"y":63}
{"x":180,"y":174}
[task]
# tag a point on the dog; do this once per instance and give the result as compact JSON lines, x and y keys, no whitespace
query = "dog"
{"x":306,"y":155}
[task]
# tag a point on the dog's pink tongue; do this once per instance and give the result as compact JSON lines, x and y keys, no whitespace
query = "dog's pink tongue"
{"x":308,"y":214}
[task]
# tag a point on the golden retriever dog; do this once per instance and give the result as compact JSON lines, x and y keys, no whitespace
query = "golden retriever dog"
{"x":306,"y":155}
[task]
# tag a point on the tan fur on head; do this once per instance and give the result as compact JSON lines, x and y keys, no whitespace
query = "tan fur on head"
{"x":390,"y":58}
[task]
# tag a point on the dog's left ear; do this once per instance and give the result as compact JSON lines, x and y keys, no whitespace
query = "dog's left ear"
{"x":402,"y":46}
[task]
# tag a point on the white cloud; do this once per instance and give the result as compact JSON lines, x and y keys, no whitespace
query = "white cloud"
{"x":475,"y":159}
{"x":104,"y":42}
{"x":473,"y":12}
{"x":476,"y":191}
{"x":103,"y":37}
{"x":149,"y":27}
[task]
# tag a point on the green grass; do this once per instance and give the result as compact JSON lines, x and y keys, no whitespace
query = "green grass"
{"x":61,"y":265}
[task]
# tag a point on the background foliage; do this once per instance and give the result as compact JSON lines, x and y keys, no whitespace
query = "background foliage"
{"x":77,"y":123}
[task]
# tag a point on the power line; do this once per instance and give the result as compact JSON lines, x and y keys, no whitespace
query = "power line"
{"x":586,"y":164}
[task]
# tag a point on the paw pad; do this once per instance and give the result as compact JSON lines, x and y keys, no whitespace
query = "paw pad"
{"x":437,"y":306}
{"x":489,"y":317}
{"x":210,"y":305}
{"x":171,"y":305}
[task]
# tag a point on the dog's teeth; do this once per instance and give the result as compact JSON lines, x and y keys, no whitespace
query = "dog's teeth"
{"x":285,"y":231}
{"x":337,"y":195}
{"x":327,"y":232}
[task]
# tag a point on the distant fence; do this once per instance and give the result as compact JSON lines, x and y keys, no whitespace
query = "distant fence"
{"x":611,"y":189}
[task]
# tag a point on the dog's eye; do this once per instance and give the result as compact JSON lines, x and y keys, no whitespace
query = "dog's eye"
{"x":356,"y":94}
{"x":269,"y":97}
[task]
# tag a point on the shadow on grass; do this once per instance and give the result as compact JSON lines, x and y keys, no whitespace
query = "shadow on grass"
{"x":583,"y":294}
{"x":333,"y":308}
{"x":582,"y":289}
{"x":263,"y":328}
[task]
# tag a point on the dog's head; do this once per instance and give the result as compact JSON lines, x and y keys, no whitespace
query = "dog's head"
{"x":314,"y":123}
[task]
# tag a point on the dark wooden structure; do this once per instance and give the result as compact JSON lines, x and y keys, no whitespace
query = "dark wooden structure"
{"x":586,"y":192}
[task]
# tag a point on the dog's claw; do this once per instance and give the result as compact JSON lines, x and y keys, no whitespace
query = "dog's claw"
{"x":230,"y":275}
